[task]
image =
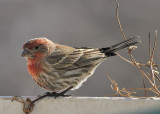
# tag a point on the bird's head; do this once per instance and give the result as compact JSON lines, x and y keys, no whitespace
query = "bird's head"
{"x":37,"y":48}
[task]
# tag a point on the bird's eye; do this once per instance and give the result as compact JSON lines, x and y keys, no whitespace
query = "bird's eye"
{"x":36,"y":47}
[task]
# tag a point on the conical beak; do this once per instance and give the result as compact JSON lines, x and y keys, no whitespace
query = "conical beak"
{"x":26,"y":53}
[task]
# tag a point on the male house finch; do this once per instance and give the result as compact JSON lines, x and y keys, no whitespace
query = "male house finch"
{"x":58,"y":67}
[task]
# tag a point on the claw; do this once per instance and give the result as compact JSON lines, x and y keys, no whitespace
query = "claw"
{"x":53,"y":94}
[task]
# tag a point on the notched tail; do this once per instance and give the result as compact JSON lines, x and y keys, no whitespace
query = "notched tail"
{"x":110,"y":51}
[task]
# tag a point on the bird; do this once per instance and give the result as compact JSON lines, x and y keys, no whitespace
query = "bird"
{"x":60,"y":68}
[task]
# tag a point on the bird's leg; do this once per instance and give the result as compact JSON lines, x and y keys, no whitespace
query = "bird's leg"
{"x":53,"y":94}
{"x":41,"y":97}
{"x":63,"y":93}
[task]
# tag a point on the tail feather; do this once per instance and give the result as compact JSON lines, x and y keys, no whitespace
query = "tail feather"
{"x":110,"y":51}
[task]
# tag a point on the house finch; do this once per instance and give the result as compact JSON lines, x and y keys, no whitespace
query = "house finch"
{"x":58,"y":67}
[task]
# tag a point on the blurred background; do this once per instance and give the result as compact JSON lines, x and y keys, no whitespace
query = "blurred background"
{"x":75,"y":23}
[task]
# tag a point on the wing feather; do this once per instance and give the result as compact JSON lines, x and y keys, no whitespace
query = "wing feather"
{"x":77,"y":58}
{"x":69,"y":59}
{"x":91,"y":57}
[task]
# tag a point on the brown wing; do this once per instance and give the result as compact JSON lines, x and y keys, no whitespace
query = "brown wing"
{"x":64,"y":58}
{"x":90,"y":58}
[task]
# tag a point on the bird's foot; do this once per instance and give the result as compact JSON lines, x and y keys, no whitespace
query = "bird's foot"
{"x":61,"y":94}
{"x":53,"y":94}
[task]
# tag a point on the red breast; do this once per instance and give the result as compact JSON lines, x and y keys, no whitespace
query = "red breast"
{"x":35,"y":65}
